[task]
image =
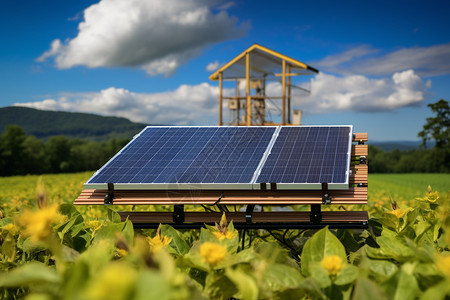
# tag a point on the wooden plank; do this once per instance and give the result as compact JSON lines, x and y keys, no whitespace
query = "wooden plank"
{"x":358,"y":150}
{"x":360,"y":137}
{"x":359,"y":174}
{"x":239,"y":217}
{"x":351,"y":196}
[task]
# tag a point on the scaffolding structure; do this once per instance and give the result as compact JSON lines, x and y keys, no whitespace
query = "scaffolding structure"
{"x":256,"y":67}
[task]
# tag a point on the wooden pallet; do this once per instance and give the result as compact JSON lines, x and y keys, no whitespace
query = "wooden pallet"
{"x":356,"y":194}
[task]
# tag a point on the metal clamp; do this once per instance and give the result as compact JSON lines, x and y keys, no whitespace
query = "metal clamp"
{"x":109,"y":197}
{"x":248,"y":213}
{"x":362,"y":160}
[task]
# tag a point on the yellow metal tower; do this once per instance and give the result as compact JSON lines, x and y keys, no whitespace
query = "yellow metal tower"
{"x":255,"y":67}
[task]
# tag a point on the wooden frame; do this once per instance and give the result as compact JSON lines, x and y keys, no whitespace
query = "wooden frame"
{"x":356,"y":194}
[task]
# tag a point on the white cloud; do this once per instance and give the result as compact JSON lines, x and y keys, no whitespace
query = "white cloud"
{"x":187,"y":105}
{"x":156,"y":35}
{"x":425,"y":61}
{"x":213,"y":66}
{"x":331,"y":93}
{"x":198,"y":104}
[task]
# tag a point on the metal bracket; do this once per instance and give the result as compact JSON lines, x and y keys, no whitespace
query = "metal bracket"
{"x":178,"y":214}
{"x":109,"y":197}
{"x":248,"y":213}
{"x":315,"y":216}
{"x":362,"y":160}
{"x":326,"y":198}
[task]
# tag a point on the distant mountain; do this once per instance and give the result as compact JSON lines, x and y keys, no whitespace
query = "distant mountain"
{"x":400,"y":145}
{"x":44,"y":124}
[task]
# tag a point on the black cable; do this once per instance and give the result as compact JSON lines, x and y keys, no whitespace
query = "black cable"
{"x":281,"y":241}
{"x":243,"y":238}
{"x":284,"y":235}
{"x":207,"y":208}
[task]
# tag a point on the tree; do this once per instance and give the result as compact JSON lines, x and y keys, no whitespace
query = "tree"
{"x":438,"y":127}
{"x":12,"y":151}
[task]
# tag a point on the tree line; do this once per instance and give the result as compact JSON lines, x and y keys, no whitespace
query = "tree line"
{"x":22,"y":154}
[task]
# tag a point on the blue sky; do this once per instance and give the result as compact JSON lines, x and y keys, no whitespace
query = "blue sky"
{"x":380,"y":62}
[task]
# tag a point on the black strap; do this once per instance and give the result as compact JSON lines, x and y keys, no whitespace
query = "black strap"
{"x":178,"y":214}
{"x":273,"y":186}
{"x":263,"y":186}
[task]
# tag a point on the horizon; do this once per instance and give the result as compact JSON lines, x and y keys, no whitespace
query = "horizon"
{"x":377,"y":74}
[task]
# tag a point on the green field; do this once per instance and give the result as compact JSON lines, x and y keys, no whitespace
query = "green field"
{"x":59,"y":251}
{"x":66,"y":187}
{"x":404,"y":187}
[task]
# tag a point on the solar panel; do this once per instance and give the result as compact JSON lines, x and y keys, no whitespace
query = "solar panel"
{"x":304,"y":157}
{"x":231,"y":157}
{"x":187,"y":158}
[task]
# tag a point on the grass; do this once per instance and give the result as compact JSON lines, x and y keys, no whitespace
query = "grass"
{"x":406,"y":187}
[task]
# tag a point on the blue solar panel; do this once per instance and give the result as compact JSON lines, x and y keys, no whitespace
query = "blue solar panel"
{"x":309,"y":155}
{"x":293,"y":157}
{"x":188,"y":155}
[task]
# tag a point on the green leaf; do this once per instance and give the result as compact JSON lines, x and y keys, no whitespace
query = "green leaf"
{"x":30,"y":273}
{"x":348,"y":274}
{"x":381,"y":270}
{"x":9,"y":247}
{"x":279,"y":277}
{"x":108,"y":232}
{"x":28,"y":246}
{"x":391,"y":247}
{"x":113,"y":216}
{"x":322,"y":244}
{"x":403,"y":286}
{"x":69,"y":254}
{"x":437,"y":292}
{"x":128,"y":232}
{"x":248,"y":290}
{"x":177,"y":242}
{"x":219,"y":286}
{"x":367,"y":290}
{"x":320,"y":275}
{"x":427,"y":275}
{"x":151,"y":285}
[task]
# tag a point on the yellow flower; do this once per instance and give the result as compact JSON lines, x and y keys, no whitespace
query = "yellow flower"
{"x":222,"y":230}
{"x":212,"y":253}
{"x":332,"y":264}
{"x":115,"y":282}
{"x":120,"y":253}
{"x":398,"y":212}
{"x":430,"y":197}
{"x":443,"y":264}
{"x":228,"y":235}
{"x":94,"y":225}
{"x":11,"y":228}
{"x":37,"y":224}
{"x":158,"y":241}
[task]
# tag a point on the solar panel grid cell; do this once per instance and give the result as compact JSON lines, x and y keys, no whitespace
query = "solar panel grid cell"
{"x":189,"y":155}
{"x":308,"y":155}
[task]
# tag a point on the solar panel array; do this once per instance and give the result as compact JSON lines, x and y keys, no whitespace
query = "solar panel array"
{"x":230,"y":157}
